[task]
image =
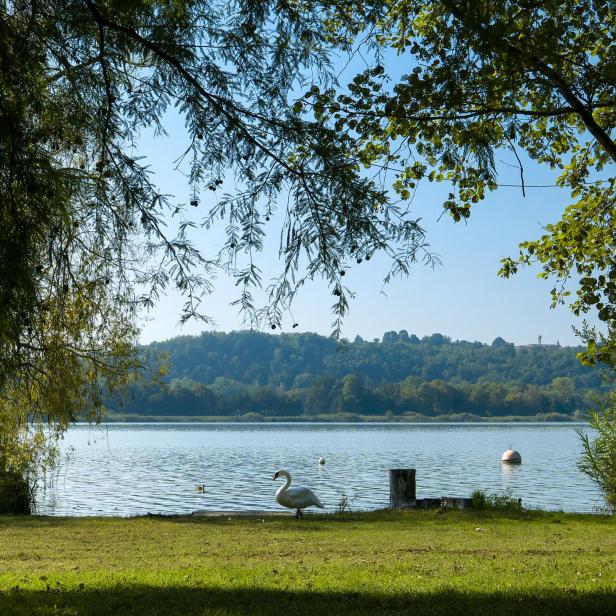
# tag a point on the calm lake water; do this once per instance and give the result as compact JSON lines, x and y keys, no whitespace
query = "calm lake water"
{"x":128,"y":469}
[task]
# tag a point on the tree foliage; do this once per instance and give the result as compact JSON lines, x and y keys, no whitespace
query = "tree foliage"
{"x":83,"y":237}
{"x":354,"y":396}
{"x":598,"y":459}
{"x":535,"y":78}
{"x":306,"y":374}
{"x":290,"y":360}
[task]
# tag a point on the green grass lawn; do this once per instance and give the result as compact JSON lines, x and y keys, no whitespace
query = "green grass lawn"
{"x":380,"y":563}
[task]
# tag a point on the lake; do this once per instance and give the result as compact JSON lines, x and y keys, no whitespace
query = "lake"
{"x":130,"y":469}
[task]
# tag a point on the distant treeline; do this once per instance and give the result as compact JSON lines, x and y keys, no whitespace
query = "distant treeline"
{"x":307,"y":374}
{"x":353,"y":394}
{"x":287,"y":360}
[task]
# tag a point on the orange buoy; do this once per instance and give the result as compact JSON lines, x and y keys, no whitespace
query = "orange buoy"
{"x":511,"y":456}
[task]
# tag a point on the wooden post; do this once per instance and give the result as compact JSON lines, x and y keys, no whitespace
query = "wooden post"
{"x":401,"y":487}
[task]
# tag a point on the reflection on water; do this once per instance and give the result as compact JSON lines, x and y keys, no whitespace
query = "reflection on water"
{"x":508,"y":475}
{"x":127,"y":469}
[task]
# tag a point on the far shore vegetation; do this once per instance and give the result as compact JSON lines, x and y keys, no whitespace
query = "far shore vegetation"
{"x":253,"y":376}
{"x":252,"y":417}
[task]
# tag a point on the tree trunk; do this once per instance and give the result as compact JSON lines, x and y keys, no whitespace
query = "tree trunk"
{"x":401,"y":487}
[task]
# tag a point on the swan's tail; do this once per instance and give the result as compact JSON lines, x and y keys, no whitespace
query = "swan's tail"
{"x":319,"y":504}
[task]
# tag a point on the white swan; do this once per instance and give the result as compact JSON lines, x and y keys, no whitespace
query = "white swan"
{"x":295,"y":498}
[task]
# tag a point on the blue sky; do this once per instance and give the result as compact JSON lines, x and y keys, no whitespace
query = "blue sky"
{"x":463,"y":298}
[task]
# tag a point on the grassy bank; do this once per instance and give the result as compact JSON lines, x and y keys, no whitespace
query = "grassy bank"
{"x":381,"y":563}
{"x":341,"y":417}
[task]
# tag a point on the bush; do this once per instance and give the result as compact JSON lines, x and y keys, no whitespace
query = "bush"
{"x":15,"y":494}
{"x":598,"y":459}
{"x":479,"y":500}
{"x":495,"y":502}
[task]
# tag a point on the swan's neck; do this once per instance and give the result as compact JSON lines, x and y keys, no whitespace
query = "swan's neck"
{"x":287,"y":483}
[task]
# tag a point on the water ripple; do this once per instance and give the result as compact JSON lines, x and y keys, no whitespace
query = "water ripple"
{"x":129,"y":469}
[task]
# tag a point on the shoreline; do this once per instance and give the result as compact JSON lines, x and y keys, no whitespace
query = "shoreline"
{"x":345,"y":419}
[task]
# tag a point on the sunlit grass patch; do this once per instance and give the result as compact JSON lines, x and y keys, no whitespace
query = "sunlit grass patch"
{"x":386,"y":562}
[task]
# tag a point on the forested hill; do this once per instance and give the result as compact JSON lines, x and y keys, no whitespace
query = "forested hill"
{"x":289,"y":361}
{"x":255,"y":375}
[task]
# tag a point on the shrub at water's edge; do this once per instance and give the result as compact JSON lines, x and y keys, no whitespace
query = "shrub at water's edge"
{"x":480,"y":501}
{"x":15,"y":494}
{"x":598,"y":459}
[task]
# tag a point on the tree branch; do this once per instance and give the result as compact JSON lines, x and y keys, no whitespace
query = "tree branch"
{"x":584,"y":112}
{"x":176,"y":64}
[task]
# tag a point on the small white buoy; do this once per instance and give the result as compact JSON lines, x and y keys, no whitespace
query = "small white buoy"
{"x":321,"y":460}
{"x":511,"y":456}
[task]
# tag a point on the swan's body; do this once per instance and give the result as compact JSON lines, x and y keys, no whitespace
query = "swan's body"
{"x":295,"y":498}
